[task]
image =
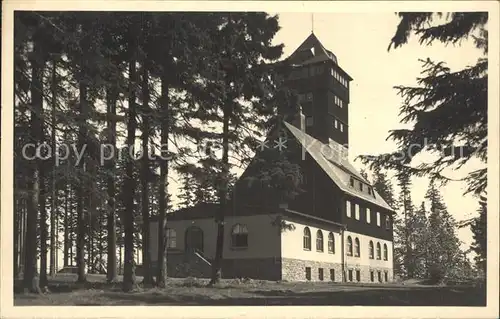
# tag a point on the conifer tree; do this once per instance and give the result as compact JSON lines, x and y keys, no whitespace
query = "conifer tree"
{"x":443,"y":244}
{"x":383,"y":187}
{"x":478,"y":228}
{"x":447,"y":109}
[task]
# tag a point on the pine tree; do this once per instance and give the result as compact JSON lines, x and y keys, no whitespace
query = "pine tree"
{"x":443,"y":244}
{"x":478,"y":228}
{"x":448,"y":110}
{"x":383,"y":187}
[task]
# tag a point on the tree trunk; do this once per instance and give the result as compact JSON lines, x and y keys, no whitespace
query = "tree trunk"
{"x":223,"y":188}
{"x":130,"y":184}
{"x":53,"y":231}
{"x":111,"y":274}
{"x":17,"y":224}
{"x":81,"y":225}
{"x":66,"y":227}
{"x":161,"y":276}
{"x":30,"y":271}
{"x":146,"y":258}
{"x":43,"y":228}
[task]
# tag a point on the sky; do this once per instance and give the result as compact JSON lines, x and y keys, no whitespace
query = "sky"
{"x":360,"y":42}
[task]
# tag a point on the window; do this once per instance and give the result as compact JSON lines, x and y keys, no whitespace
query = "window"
{"x":349,"y":246}
{"x":348,"y":208}
{"x":358,"y":275}
{"x":379,"y":276}
{"x":356,"y":247}
{"x":387,"y":222}
{"x":386,"y":276}
{"x":336,"y":123}
{"x":319,"y":240}
{"x":385,"y":252}
{"x":378,"y":251}
{"x":171,"y":238}
{"x":341,"y":127}
{"x":372,"y":276}
{"x":369,"y":190}
{"x":301,"y":97}
{"x":378,"y":219}
{"x":239,"y":236}
{"x":360,"y":186}
{"x":331,"y":243}
{"x":350,"y":274}
{"x":320,"y":274}
{"x":307,"y":239}
{"x":370,"y":250}
{"x":332,"y":274}
{"x":309,"y":96}
{"x":368,"y":215}
{"x":309,"y":121}
{"x":351,"y":181}
{"x":308,"y":273}
{"x":356,"y":211}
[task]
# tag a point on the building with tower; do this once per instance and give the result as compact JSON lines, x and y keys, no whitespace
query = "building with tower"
{"x":340,"y":229}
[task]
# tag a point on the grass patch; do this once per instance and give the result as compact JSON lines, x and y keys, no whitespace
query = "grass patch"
{"x":194,"y":291}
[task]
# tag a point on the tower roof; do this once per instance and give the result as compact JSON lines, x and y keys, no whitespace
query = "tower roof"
{"x":311,"y":51}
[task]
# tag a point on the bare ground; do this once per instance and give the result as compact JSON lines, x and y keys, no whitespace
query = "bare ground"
{"x":190,"y":292}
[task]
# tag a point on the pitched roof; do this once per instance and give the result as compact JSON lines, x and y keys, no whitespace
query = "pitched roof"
{"x":314,"y":46}
{"x":336,"y":165}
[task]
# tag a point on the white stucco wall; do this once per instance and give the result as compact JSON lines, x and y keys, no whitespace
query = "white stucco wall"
{"x":292,"y":243}
{"x":364,"y":258}
{"x":263,"y":237}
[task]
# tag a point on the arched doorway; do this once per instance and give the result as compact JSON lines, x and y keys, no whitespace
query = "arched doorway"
{"x":194,"y":239}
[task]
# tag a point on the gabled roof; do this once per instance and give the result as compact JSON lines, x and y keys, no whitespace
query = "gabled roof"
{"x":311,"y":50}
{"x":336,"y":165}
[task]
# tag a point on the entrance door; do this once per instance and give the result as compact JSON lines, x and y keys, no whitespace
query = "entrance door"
{"x":194,"y":239}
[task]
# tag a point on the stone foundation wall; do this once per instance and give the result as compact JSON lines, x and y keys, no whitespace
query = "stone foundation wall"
{"x":365,"y":273}
{"x":295,"y":270}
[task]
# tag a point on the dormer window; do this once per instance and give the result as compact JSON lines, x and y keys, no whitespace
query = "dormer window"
{"x":352,"y":182}
{"x":360,"y":186}
{"x":369,"y":190}
{"x":309,"y":121}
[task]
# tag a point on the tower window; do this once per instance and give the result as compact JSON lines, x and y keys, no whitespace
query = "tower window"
{"x":348,"y":208}
{"x":336,"y":123}
{"x":341,"y":127}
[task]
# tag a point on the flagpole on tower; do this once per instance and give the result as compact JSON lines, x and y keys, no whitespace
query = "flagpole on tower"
{"x":312,"y":22}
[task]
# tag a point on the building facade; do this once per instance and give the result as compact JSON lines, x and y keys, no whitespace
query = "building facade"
{"x":338,"y":229}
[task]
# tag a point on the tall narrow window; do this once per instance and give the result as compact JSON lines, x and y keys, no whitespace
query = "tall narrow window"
{"x":372,"y":276}
{"x":378,"y":251}
{"x":332,"y":274}
{"x":386,"y":257}
{"x":349,"y":246}
{"x":356,"y":247}
{"x":358,"y":275}
{"x":370,"y":250}
{"x":336,"y":123}
{"x":307,"y":239}
{"x":368,"y":215}
{"x":386,"y":275}
{"x":308,"y":273}
{"x":320,"y":274}
{"x":341,"y":127}
{"x":348,"y":208}
{"x":356,"y":211}
{"x":351,"y":182}
{"x":171,"y":238}
{"x":331,"y":243}
{"x":350,"y":274}
{"x":309,"y":121}
{"x":378,"y":219}
{"x":387,"y":222}
{"x":239,"y":236}
{"x":319,"y":240}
